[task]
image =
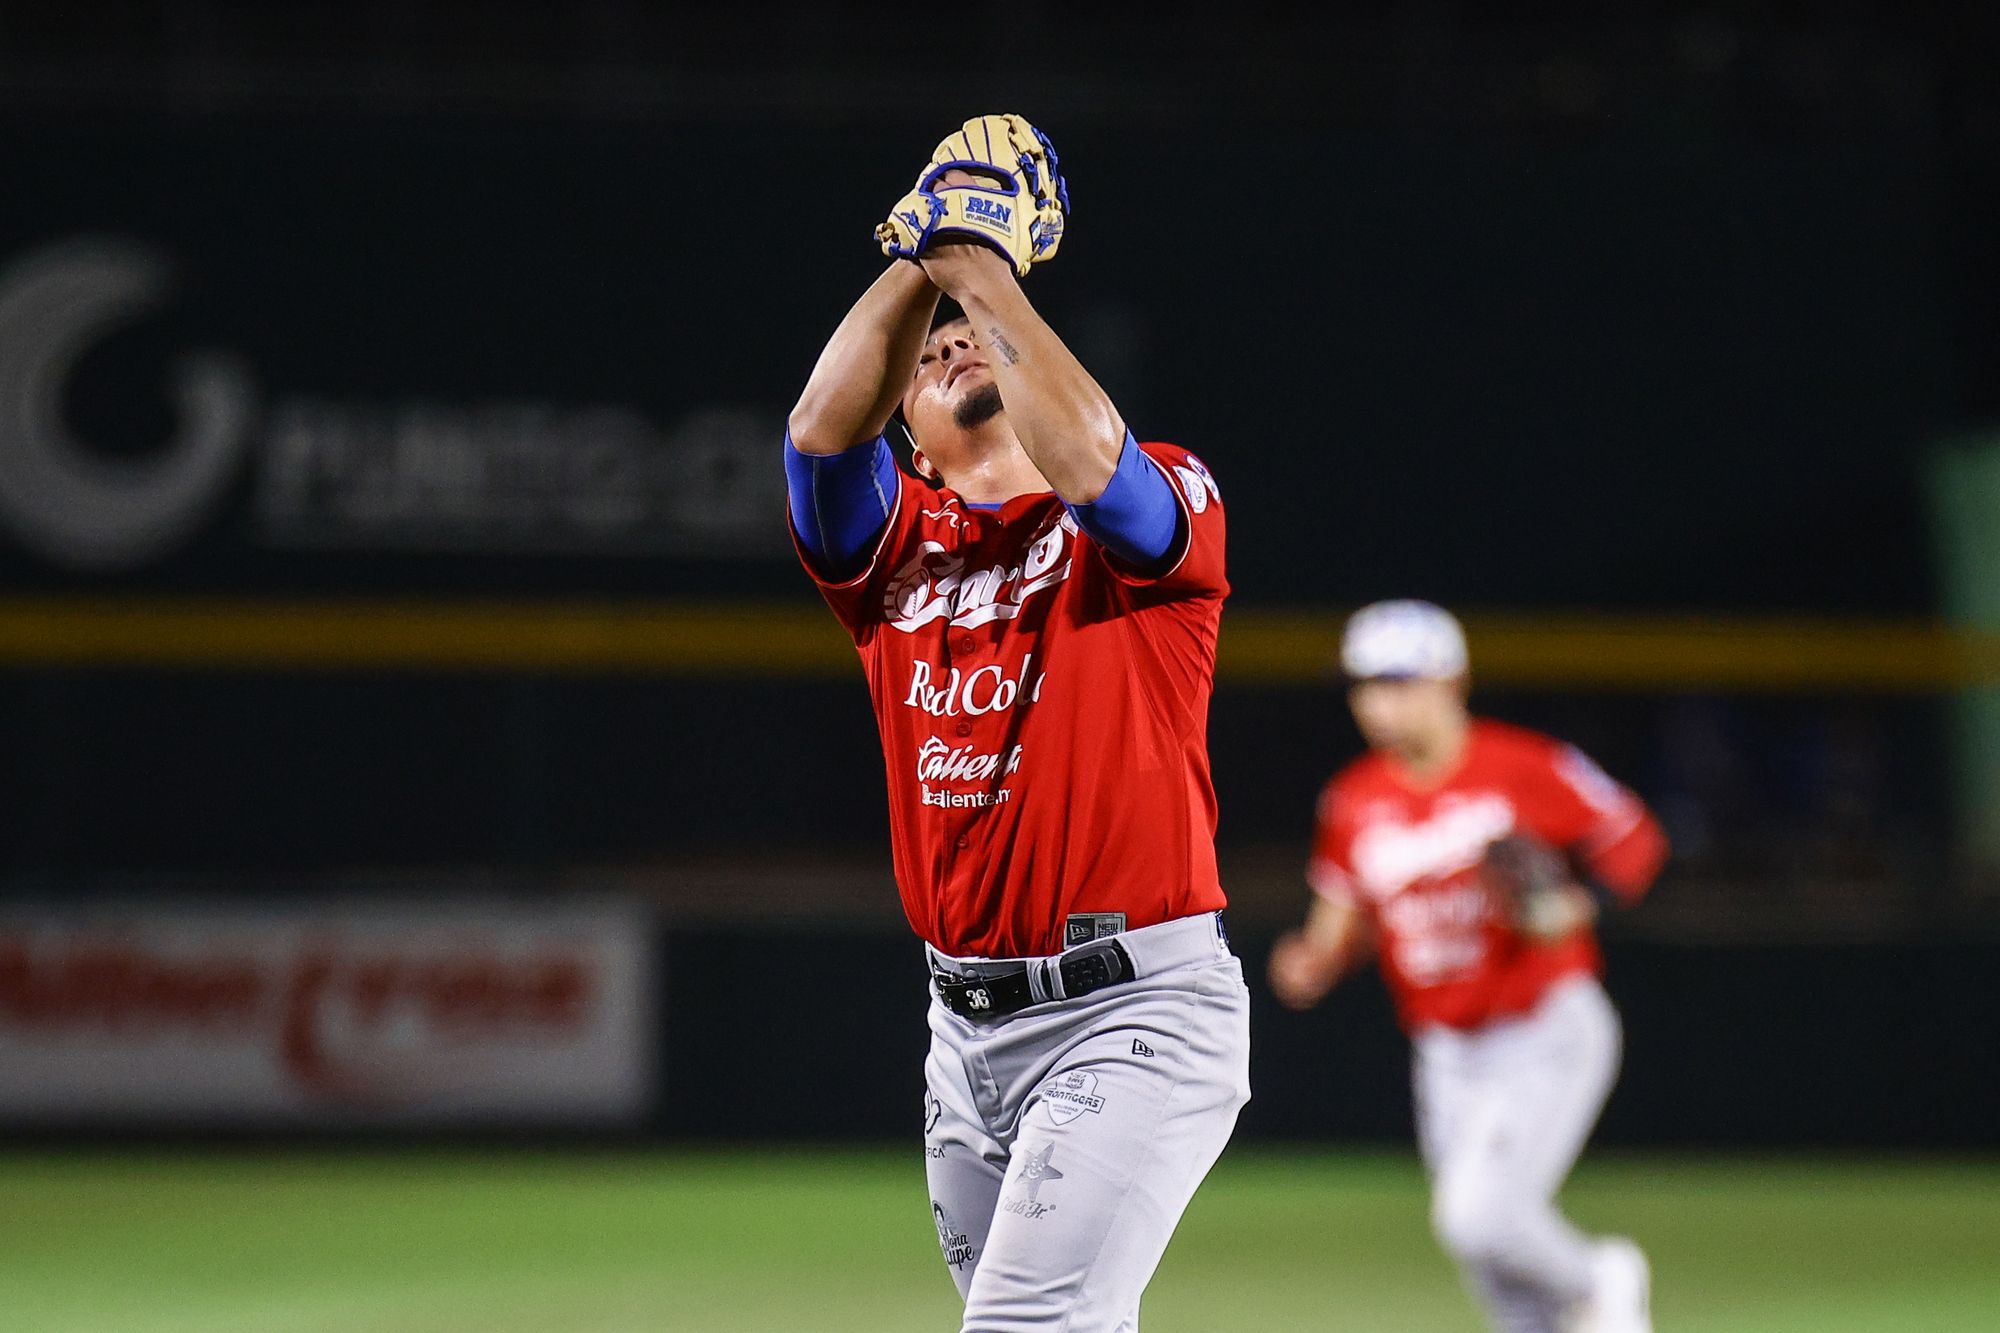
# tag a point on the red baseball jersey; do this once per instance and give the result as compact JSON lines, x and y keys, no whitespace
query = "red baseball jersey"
{"x":1409,"y":856}
{"x":1044,"y":714}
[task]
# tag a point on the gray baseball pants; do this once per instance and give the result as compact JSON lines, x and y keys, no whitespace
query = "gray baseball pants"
{"x":1064,"y":1141}
{"x":1502,"y":1115}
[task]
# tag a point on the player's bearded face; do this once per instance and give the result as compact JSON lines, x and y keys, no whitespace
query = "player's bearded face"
{"x":953,"y":378}
{"x":977,"y":407}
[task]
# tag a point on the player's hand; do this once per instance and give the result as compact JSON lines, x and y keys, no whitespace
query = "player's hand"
{"x":995,"y":181}
{"x":1537,"y":893}
{"x":953,"y":266}
{"x":1555,"y":913}
{"x":1302,"y":971}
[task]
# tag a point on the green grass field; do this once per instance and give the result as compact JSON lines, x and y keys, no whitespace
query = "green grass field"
{"x":784,"y":1241}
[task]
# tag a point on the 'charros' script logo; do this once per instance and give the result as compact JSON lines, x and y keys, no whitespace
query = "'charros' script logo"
{"x":987,"y":689}
{"x":934,"y":584}
{"x":1389,"y":856}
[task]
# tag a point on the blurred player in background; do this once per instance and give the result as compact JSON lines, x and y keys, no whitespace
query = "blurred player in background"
{"x":1038,"y":633}
{"x":1472,"y":857}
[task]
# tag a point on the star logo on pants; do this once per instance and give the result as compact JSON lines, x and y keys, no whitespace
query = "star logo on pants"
{"x":1036,"y":1170}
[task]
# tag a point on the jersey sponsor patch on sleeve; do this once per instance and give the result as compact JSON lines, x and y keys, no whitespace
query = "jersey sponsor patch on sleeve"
{"x":1197,"y":483}
{"x":1197,"y":567}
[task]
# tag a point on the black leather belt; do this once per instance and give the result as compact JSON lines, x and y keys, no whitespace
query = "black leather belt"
{"x":995,"y":990}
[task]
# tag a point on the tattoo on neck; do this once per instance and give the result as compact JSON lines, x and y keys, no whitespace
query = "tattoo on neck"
{"x":999,"y":343}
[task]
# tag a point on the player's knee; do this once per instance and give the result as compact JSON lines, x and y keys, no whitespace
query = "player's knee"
{"x":1049,"y":1319}
{"x":1475,"y":1226}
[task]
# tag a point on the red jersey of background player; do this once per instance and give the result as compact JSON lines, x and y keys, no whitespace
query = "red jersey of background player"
{"x":1044,"y":714}
{"x":1409,"y":857}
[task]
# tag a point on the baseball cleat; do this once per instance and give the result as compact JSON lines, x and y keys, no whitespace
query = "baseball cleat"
{"x":1621,"y":1289}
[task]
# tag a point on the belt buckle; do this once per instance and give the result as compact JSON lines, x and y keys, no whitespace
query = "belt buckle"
{"x":1083,"y":927}
{"x":1093,"y":970}
{"x":1093,"y":966}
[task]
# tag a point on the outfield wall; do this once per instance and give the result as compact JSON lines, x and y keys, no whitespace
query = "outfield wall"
{"x":809,"y":1034}
{"x":395,"y":1018}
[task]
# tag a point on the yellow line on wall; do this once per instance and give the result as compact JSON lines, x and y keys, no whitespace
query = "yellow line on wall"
{"x":1639,"y":652}
{"x":1259,"y":646}
{"x":453,"y":636}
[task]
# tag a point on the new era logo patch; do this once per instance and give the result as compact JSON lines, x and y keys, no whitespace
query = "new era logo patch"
{"x":1141,"y":1048}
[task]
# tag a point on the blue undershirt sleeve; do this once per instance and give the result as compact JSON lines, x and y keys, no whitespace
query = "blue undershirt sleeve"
{"x":1137,"y":516}
{"x":840,"y":502}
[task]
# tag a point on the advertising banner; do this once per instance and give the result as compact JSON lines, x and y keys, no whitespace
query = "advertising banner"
{"x":344,"y":1015}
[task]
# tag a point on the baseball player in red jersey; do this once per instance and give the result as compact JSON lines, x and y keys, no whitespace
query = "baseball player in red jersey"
{"x":1471,"y":856}
{"x":1037,"y":626}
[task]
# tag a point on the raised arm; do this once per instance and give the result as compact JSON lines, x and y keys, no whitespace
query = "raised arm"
{"x":866,"y":365}
{"x":1064,"y":420}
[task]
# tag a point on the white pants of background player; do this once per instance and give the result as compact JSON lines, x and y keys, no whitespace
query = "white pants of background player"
{"x":1502,"y":1113}
{"x":1065,"y":1141}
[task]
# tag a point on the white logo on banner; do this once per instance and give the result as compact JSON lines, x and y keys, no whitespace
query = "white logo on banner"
{"x":66,"y":501}
{"x":416,"y":475}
